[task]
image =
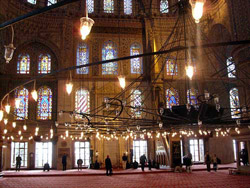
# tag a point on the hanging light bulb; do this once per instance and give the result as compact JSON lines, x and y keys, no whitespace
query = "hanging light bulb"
{"x":85,"y":26}
{"x":51,"y":131}
{"x":197,"y":9}
{"x":1,"y":115}
{"x":17,"y":102}
{"x":34,"y":95}
{"x":7,"y":108}
{"x":5,"y":131}
{"x":14,"y":124}
{"x":69,"y":87}
{"x":67,"y":133}
{"x":190,"y":71}
{"x":9,"y":49}
{"x":37,"y":129}
{"x":5,"y":121}
{"x":56,"y":124}
{"x":19,"y":132}
{"x":21,"y":137}
{"x":122,"y":81}
{"x":24,"y":127}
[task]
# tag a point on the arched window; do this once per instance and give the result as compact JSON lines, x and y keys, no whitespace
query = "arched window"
{"x":192,"y":97}
{"x":51,"y":2}
{"x":234,"y":103}
{"x":172,"y":98}
{"x":32,"y":1}
{"x":23,"y":64}
{"x":127,"y":7}
{"x":171,"y":66}
{"x":90,"y":6}
{"x":108,"y":6}
{"x":164,"y":6}
{"x":135,"y":63}
{"x":231,"y":72}
{"x":22,"y":110}
{"x":82,"y":101}
{"x":44,"y":105}
{"x":44,"y":64}
{"x":82,"y":58}
{"x":136,"y":101}
{"x":109,"y":51}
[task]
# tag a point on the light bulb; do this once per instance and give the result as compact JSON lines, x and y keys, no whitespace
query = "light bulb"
{"x":197,"y":9}
{"x":25,"y":127}
{"x":1,"y":115}
{"x":17,"y":102}
{"x":190,"y":71}
{"x":34,"y":94}
{"x":67,"y":133}
{"x":122,"y":81}
{"x":69,"y":87}
{"x":14,"y":124}
{"x":51,"y":131}
{"x":5,"y":131}
{"x":21,"y":137}
{"x":19,"y":132}
{"x":7,"y":108}
{"x":85,"y":27}
{"x":5,"y":121}
{"x":37,"y":129}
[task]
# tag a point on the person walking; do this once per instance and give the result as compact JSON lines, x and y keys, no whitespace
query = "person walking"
{"x":79,"y":164}
{"x":64,"y":161}
{"x":108,"y":166}
{"x":18,"y":163}
{"x":124,"y":161}
{"x":215,"y":162}
{"x":143,"y":160}
{"x":208,"y":161}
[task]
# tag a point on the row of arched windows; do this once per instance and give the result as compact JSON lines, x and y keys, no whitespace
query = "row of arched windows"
{"x":109,"y":51}
{"x":108,"y":5}
{"x":44,"y":103}
{"x":44,"y":64}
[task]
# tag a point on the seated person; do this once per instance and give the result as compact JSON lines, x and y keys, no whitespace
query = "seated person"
{"x":135,"y":165}
{"x":128,"y":165}
{"x":46,"y":167}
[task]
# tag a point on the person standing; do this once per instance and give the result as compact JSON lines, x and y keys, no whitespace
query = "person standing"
{"x":124,"y":161}
{"x":108,"y":166}
{"x":149,"y":164}
{"x":215,"y":162}
{"x":143,"y":160}
{"x":18,"y":162}
{"x":79,"y":164}
{"x":208,"y":161}
{"x":64,"y":161}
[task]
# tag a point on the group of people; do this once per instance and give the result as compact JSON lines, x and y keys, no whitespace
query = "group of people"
{"x":212,"y":159}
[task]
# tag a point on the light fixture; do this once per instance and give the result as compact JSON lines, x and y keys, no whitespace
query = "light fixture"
{"x":14,"y":124}
{"x":69,"y":85}
{"x":5,"y":121}
{"x":86,"y":24}
{"x":197,"y":9}
{"x":24,"y":127}
{"x":21,"y":137}
{"x":1,"y":115}
{"x":19,"y":132}
{"x":5,"y":131}
{"x":17,"y":102}
{"x":9,"y":49}
{"x":7,"y":108}
{"x":56,"y":124}
{"x":190,"y":71}
{"x":34,"y":92}
{"x":122,"y":81}
{"x":160,"y":125}
{"x":37,"y":129}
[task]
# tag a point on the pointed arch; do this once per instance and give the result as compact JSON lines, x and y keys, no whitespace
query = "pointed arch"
{"x":23,"y":64}
{"x":44,"y":104}
{"x":109,"y":51}
{"x":22,"y":110}
{"x":44,"y":64}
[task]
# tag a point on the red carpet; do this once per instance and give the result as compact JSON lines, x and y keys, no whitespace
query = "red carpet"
{"x":154,"y":180}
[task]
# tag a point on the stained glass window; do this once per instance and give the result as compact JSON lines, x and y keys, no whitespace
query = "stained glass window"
{"x":90,"y":6}
{"x":171,"y":67}
{"x":44,"y":105}
{"x":136,"y":101}
{"x":164,"y":6}
{"x":172,"y":98}
{"x":44,"y":64}
{"x":231,"y":68}
{"x":135,"y":63}
{"x":109,"y":51}
{"x":108,"y":6}
{"x":32,"y":1}
{"x":192,"y":97}
{"x":22,"y":110}
{"x":23,"y":64}
{"x":82,"y":58}
{"x":82,"y":101}
{"x":51,"y":2}
{"x":127,"y":6}
{"x":234,"y":103}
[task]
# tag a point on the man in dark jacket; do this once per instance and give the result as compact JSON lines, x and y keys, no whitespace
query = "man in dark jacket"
{"x":143,"y":160}
{"x":18,"y":163}
{"x":64,"y":161}
{"x":208,"y":161}
{"x":108,"y":165}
